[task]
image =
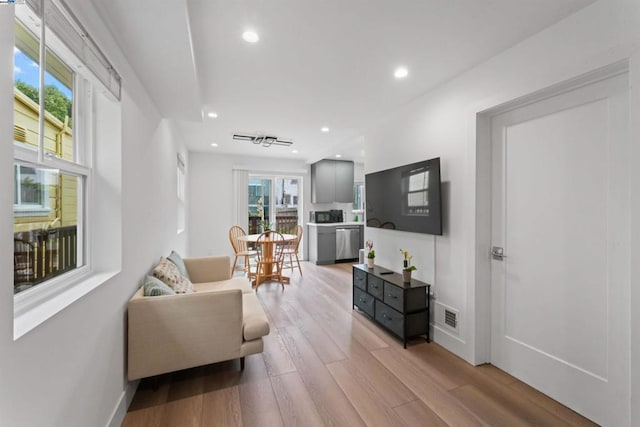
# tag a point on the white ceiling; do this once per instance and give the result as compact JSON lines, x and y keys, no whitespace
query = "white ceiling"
{"x":318,"y":63}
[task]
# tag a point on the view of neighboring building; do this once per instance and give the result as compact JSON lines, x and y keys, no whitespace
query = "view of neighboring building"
{"x":45,"y":200}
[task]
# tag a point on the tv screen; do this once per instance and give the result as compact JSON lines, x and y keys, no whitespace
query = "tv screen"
{"x":405,"y":198}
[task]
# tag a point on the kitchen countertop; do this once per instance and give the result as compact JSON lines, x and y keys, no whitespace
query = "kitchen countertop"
{"x":334,"y":224}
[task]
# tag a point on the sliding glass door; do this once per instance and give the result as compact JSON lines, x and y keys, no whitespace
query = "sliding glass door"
{"x":276,"y":202}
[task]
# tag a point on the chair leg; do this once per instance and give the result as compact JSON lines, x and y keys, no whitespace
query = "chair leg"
{"x":246,"y":266}
{"x":280,"y":275}
{"x":233,"y":269}
{"x":257,"y":277}
{"x":299,"y":268}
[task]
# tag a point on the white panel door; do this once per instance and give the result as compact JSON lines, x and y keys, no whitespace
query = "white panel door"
{"x":560,"y":211}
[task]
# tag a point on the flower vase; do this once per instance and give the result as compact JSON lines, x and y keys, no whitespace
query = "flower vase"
{"x":370,"y":262}
{"x":406,"y":276}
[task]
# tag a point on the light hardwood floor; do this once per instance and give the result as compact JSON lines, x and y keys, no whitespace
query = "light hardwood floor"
{"x":325,"y":364}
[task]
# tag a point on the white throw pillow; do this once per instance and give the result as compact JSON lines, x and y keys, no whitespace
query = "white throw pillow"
{"x":169,"y":274}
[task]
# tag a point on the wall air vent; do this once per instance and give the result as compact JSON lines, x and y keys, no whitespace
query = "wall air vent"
{"x":19,"y":134}
{"x":446,"y":318}
{"x":450,"y":318}
{"x":262,"y":139}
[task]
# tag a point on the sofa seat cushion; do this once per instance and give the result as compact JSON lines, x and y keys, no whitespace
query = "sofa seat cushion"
{"x":241,"y":283}
{"x":254,"y":321}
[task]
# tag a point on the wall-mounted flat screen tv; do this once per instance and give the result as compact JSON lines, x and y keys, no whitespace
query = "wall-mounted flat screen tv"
{"x":405,"y":198}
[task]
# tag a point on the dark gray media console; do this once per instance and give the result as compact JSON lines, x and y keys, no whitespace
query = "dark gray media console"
{"x":401,"y":308}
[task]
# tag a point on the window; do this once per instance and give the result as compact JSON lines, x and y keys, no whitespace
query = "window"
{"x":52,"y":167}
{"x":31,"y":191}
{"x":181,"y":184}
{"x":67,"y":227}
{"x":358,"y":197}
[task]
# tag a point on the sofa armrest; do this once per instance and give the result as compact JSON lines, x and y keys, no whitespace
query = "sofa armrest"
{"x":170,"y":333}
{"x":208,"y":269}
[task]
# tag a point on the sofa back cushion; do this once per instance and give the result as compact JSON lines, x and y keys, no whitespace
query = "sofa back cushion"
{"x":170,"y":275}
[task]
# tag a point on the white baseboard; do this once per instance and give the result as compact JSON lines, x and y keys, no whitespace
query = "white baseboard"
{"x":123,"y":404}
{"x":451,"y":342}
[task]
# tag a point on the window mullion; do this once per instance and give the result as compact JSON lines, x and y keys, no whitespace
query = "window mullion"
{"x":43,"y":50}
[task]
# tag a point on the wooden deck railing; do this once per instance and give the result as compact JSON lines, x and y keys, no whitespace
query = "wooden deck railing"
{"x":284,"y":224}
{"x":42,"y":254}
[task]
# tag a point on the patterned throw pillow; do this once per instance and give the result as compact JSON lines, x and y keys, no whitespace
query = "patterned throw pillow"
{"x":169,"y":274}
{"x":179,"y":262}
{"x":154,"y":287}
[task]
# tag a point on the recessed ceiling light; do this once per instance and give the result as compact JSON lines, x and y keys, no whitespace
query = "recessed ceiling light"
{"x":294,"y":151}
{"x":214,"y":144}
{"x":250,"y":36}
{"x":400,"y":73}
{"x":324,"y":129}
{"x":213,"y":115}
{"x":338,"y":155}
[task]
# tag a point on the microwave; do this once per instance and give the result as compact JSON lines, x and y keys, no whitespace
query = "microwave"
{"x":324,"y":217}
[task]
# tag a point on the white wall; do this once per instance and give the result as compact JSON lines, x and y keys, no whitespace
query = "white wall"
{"x":70,"y":371}
{"x":211,"y":196}
{"x":442,"y":123}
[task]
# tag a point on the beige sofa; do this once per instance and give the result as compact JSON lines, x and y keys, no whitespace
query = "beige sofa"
{"x":222,"y":320}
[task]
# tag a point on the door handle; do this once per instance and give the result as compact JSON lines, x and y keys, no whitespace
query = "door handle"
{"x":497,"y":253}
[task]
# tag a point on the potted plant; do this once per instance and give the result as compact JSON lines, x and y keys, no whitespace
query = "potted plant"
{"x":407,"y":268}
{"x":406,"y":273}
{"x":371,"y":254}
{"x":265,"y":226}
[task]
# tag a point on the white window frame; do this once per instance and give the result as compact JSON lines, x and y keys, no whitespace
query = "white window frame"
{"x":39,"y":303}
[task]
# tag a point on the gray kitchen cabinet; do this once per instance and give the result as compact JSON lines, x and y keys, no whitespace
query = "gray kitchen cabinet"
{"x":332,"y":181}
{"x":344,"y":182}
{"x":323,"y":181}
{"x":322,"y":244}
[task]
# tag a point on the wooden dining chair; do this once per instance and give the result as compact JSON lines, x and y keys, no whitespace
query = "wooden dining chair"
{"x":241,"y":249}
{"x":270,"y":248}
{"x":291,"y":250}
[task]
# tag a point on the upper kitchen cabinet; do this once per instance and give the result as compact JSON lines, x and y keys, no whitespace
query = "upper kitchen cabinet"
{"x":332,"y":181}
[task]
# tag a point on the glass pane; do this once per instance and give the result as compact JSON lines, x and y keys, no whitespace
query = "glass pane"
{"x":58,"y":105}
{"x":286,"y":205}
{"x":259,"y":204}
{"x":358,"y":193}
{"x":46,"y":218}
{"x":26,"y":78}
{"x":58,"y":99}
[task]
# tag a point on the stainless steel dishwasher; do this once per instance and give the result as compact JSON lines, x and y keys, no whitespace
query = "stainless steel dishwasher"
{"x":347,"y":243}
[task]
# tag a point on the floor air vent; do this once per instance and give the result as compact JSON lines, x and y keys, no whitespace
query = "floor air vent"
{"x":450,"y":318}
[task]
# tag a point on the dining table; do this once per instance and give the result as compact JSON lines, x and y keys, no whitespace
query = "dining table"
{"x":268,"y":245}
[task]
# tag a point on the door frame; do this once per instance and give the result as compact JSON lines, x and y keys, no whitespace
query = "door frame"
{"x":483,"y":311}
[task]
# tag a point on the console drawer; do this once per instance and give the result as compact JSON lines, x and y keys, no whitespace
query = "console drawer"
{"x":360,"y":279}
{"x":374,"y":286}
{"x":363,"y":301}
{"x":390,"y":318}
{"x":394,"y":297}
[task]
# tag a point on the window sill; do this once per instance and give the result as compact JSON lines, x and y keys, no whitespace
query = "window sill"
{"x":36,"y":307}
{"x":31,"y":212}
